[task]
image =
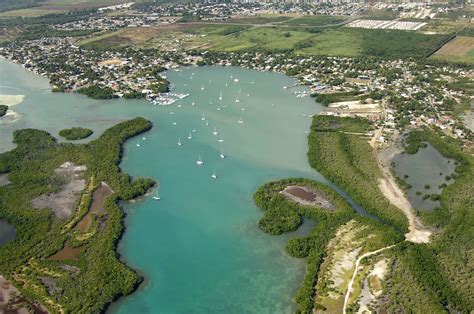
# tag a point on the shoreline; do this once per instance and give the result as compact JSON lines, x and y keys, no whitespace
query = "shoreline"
{"x":105,"y":236}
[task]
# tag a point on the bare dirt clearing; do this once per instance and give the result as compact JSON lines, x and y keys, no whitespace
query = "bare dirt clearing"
{"x":307,"y":196}
{"x":4,"y":179}
{"x":64,"y":200}
{"x":459,"y":46}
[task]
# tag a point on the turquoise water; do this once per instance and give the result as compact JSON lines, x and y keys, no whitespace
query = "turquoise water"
{"x":199,"y":248}
{"x":427,"y":166}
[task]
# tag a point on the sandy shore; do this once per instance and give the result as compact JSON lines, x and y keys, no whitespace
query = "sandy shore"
{"x":11,"y":100}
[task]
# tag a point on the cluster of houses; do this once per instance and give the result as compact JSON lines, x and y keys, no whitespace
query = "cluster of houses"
{"x":370,"y":87}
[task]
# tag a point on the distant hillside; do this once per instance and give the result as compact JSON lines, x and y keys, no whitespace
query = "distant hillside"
{"x":8,"y":5}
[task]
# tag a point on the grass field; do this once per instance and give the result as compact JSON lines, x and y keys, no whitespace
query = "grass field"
{"x":260,"y":19}
{"x":445,"y":26}
{"x":56,"y":6}
{"x":315,"y":20}
{"x":126,"y":37}
{"x":335,"y":41}
{"x":459,"y":49}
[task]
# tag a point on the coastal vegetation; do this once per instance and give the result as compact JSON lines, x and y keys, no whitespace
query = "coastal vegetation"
{"x":284,"y":215}
{"x":438,"y":271}
{"x":3,"y":110}
{"x":327,"y":99}
{"x":339,"y":151}
{"x":75,"y":133}
{"x":94,"y":276}
{"x":97,"y":92}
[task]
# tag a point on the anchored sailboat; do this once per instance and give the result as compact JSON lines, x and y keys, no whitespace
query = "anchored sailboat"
{"x":179,"y":141}
{"x":190,"y":136}
{"x":199,"y":162}
{"x":220,"y":96}
{"x":214,"y":175}
{"x":215,"y":131}
{"x":157,"y":196}
{"x":222,"y":153}
{"x":241,"y":120}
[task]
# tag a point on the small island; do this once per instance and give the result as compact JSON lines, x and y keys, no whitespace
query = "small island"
{"x":63,"y":201}
{"x":75,"y":133}
{"x":3,"y":110}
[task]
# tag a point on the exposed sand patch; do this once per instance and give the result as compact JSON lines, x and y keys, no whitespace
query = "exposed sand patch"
{"x":11,"y":300}
{"x":307,"y":196}
{"x":110,"y":62}
{"x":11,"y":100}
{"x":337,"y":268}
{"x":63,"y":201}
{"x":372,"y":287}
{"x":356,"y":269}
{"x":4,"y":179}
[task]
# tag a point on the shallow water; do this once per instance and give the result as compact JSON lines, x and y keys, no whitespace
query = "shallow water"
{"x":199,"y":248}
{"x":7,"y":232}
{"x":427,"y":166}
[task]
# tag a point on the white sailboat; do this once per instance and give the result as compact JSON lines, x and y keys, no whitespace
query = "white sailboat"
{"x":202,"y":87}
{"x":241,"y":120}
{"x":237,"y":99}
{"x":138,"y":144}
{"x":193,"y":103}
{"x":203,"y":117}
{"x":199,"y":162}
{"x":221,"y":140}
{"x":207,"y":123}
{"x":157,"y":196}
{"x":220,"y":96}
{"x":222,"y":154}
{"x":179,"y":141}
{"x":215,"y":131}
{"x":190,"y":136}
{"x":143,"y":138}
{"x":214,"y":175}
